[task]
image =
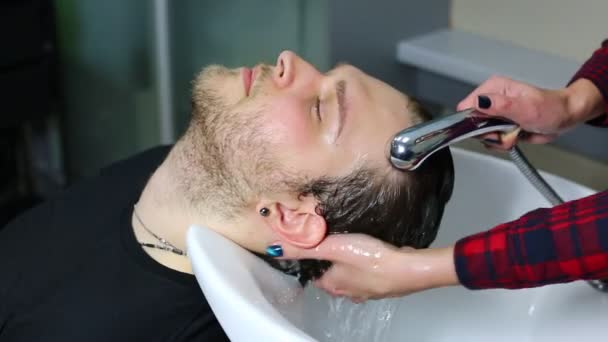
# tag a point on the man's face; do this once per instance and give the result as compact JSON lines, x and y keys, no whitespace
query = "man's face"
{"x":290,"y":114}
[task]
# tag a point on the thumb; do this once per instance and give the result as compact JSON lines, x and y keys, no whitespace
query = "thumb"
{"x":335,"y":247}
{"x":327,"y":249}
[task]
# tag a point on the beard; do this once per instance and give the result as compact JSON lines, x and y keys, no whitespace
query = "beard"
{"x":226,"y":157}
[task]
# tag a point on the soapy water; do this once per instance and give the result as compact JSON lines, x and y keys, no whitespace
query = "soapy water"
{"x":330,"y":319}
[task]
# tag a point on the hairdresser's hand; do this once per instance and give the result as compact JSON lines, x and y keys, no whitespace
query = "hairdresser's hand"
{"x":366,"y":268}
{"x":542,"y":114}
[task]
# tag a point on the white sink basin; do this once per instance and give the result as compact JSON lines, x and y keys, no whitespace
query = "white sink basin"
{"x":254,"y":302}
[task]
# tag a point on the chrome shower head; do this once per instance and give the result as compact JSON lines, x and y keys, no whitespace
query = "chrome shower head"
{"x":411,"y":146}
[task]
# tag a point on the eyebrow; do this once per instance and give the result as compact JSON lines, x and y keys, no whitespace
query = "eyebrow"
{"x":340,"y":90}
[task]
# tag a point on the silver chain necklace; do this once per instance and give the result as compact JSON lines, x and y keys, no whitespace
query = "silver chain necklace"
{"x":164,"y":244}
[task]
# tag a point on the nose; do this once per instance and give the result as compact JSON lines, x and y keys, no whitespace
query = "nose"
{"x":284,"y":70}
{"x":290,"y":69}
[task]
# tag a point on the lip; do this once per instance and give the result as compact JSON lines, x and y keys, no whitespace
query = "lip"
{"x":247,"y":75}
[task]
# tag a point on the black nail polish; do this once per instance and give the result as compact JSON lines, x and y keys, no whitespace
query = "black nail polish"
{"x":274,"y":251}
{"x":492,"y":141}
{"x":484,"y":102}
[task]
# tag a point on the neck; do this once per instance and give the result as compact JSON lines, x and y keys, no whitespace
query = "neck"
{"x":166,"y":209}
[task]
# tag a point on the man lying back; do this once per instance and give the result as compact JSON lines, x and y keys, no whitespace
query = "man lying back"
{"x":272,"y":154}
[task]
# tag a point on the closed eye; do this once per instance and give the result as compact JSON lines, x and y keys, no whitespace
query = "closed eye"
{"x":318,"y":108}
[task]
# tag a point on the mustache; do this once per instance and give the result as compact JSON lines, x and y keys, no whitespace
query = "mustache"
{"x":215,"y":70}
{"x":265,"y":72}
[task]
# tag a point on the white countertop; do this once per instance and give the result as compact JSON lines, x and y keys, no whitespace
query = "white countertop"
{"x":471,"y":58}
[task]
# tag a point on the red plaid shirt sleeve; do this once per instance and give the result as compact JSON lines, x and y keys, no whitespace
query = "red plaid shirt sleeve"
{"x":596,"y":71}
{"x":546,"y":246}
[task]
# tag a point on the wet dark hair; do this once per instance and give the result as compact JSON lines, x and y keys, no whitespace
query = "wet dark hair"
{"x":403,"y":208}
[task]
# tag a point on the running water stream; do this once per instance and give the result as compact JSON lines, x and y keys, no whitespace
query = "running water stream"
{"x":338,"y":318}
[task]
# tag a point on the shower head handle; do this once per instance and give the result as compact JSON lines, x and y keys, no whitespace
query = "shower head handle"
{"x":410,"y":147}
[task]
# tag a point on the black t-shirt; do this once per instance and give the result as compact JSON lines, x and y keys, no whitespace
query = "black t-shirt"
{"x":72,"y":270}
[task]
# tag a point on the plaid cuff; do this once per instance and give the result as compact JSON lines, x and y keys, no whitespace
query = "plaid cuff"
{"x":481,"y":260}
{"x":546,"y":246}
{"x":596,"y":71}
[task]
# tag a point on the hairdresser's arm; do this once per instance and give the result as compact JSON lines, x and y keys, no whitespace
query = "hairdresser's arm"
{"x":542,"y":113}
{"x":546,"y":246}
{"x":366,"y":268}
{"x":595,"y":70}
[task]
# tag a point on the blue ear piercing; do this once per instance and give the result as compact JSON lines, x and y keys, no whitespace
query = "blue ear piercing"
{"x":274,"y":251}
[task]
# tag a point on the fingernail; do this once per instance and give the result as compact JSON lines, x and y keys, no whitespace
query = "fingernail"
{"x":491,"y":141}
{"x":484,"y":101}
{"x":274,"y":251}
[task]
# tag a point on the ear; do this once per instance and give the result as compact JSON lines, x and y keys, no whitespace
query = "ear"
{"x":297,"y":222}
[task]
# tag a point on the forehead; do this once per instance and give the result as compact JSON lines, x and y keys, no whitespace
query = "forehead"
{"x":340,"y":66}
